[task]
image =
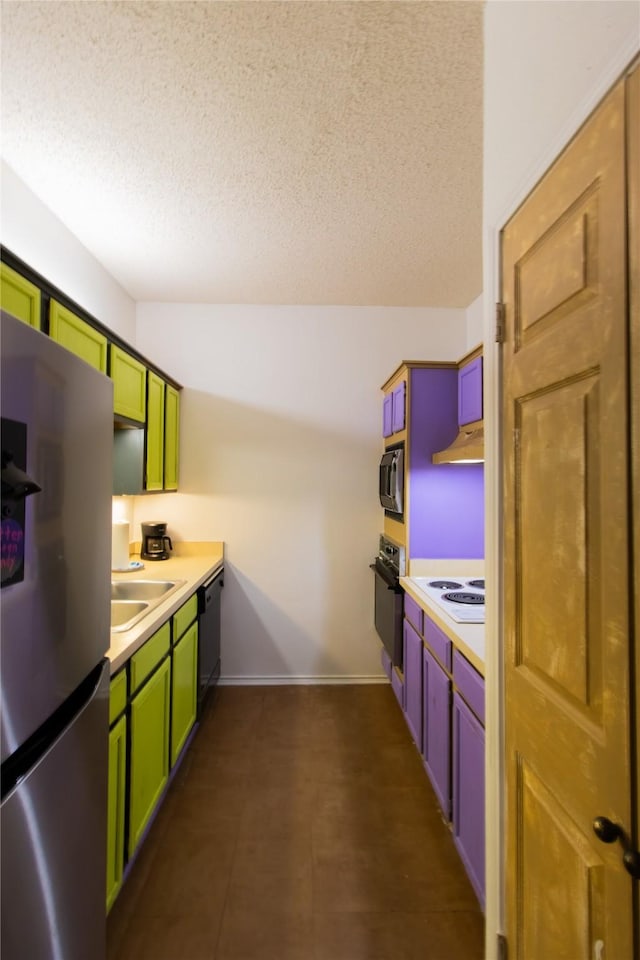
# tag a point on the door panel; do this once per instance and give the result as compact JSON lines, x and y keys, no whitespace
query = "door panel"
{"x":55,"y":618}
{"x":562,"y":875}
{"x":633,"y":166}
{"x":53,"y":853}
{"x":566,"y":551}
{"x":184,"y":684}
{"x":149,"y":755}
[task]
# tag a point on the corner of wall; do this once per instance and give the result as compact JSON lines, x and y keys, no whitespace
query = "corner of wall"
{"x":474,"y":321}
{"x":32,"y":232}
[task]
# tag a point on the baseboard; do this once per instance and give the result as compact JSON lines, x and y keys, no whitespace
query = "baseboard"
{"x":275,"y":681}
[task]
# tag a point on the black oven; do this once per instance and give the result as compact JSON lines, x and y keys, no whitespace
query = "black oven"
{"x":388,"y":568}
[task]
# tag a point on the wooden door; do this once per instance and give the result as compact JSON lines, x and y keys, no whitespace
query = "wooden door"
{"x":566,"y":547}
{"x":633,"y":166}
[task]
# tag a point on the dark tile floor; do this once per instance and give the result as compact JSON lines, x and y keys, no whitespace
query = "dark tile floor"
{"x":300,"y":826}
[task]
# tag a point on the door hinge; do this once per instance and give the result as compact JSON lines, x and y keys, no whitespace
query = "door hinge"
{"x":502,"y":947}
{"x":500,"y":316}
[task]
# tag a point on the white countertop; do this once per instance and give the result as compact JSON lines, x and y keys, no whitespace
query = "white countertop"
{"x":467,"y":637}
{"x":194,"y":563}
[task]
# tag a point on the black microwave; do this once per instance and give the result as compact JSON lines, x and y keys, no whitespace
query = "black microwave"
{"x":392,"y":481}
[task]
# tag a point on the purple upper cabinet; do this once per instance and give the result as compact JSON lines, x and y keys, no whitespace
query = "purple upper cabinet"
{"x":468,"y":793}
{"x":398,"y":407}
{"x":446,"y":515}
{"x":394,"y":410}
{"x":387,"y":415}
{"x":470,"y":392}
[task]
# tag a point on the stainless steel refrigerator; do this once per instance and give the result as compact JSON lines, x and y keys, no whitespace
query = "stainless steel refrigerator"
{"x":57,"y":429}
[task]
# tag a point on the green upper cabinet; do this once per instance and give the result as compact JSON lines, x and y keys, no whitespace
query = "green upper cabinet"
{"x":171,"y":437}
{"x":129,"y":385}
{"x":19,"y":297}
{"x":77,"y":336}
{"x":155,"y":432}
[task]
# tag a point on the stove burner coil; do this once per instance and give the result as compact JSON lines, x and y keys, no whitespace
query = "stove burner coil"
{"x":479,"y":584}
{"x":464,"y":597}
{"x":445,"y":584}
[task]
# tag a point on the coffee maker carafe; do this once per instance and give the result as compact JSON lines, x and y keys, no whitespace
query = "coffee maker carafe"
{"x":155,"y":542}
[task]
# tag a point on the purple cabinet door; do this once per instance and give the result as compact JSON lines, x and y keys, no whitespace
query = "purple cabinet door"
{"x":387,"y":415}
{"x":470,"y":392}
{"x":468,"y":792}
{"x":398,"y":407}
{"x":437,"y":730}
{"x":413,"y":613}
{"x":397,"y":685}
{"x":413,"y":682}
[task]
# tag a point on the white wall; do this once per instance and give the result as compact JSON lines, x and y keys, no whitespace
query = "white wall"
{"x":546,"y":67}
{"x":281,"y":438}
{"x":32,"y":232}
{"x":475,"y":322}
{"x":541,"y":61}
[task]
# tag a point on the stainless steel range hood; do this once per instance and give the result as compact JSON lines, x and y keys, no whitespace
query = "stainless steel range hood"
{"x":468,"y":446}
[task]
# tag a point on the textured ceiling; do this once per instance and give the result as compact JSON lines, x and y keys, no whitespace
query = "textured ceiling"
{"x":256,"y":152}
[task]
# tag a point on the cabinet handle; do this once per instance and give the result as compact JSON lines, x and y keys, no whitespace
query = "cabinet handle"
{"x":608,"y":831}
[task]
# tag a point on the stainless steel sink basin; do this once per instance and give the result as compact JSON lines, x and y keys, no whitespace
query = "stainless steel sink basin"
{"x":124,"y":613}
{"x":131,"y":600}
{"x":142,"y":589}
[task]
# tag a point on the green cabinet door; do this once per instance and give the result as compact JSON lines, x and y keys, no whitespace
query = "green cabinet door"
{"x":149,"y":758}
{"x":116,"y":808}
{"x":19,"y":297}
{"x":184,"y":689}
{"x":155,"y":432}
{"x":77,"y":336}
{"x":129,"y":385}
{"x":171,"y":436}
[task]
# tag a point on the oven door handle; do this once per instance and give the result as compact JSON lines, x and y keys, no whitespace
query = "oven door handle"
{"x":391,"y":584}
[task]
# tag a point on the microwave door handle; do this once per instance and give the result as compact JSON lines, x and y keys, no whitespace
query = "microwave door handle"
{"x":393,"y":478}
{"x":384,"y":481}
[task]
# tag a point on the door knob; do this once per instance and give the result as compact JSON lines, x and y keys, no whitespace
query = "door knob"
{"x":631,"y":861}
{"x":608,"y":831}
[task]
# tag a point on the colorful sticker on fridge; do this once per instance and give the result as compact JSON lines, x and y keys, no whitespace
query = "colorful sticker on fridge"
{"x":11,"y":551}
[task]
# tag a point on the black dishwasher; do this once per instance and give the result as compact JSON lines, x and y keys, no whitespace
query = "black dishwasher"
{"x":209,"y":607}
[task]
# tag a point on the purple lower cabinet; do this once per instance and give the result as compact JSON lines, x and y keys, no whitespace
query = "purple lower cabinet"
{"x":397,"y":685}
{"x":468,"y":792}
{"x":437,"y":730}
{"x":413,"y":682}
{"x":385,"y":660}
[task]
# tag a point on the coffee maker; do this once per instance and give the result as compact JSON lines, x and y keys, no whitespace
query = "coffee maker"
{"x":155,"y":542}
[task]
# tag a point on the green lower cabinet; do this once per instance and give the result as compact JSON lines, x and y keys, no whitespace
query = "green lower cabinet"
{"x":116,"y":808}
{"x":77,"y":336}
{"x":19,"y":297}
{"x":149,"y":760}
{"x":184,"y":686}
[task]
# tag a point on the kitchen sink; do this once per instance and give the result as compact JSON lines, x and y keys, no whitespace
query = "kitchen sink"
{"x":142,"y":589}
{"x":131,"y":600}
{"x":124,"y":613}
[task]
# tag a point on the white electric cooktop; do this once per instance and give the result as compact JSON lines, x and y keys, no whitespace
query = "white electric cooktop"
{"x":461,"y":597}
